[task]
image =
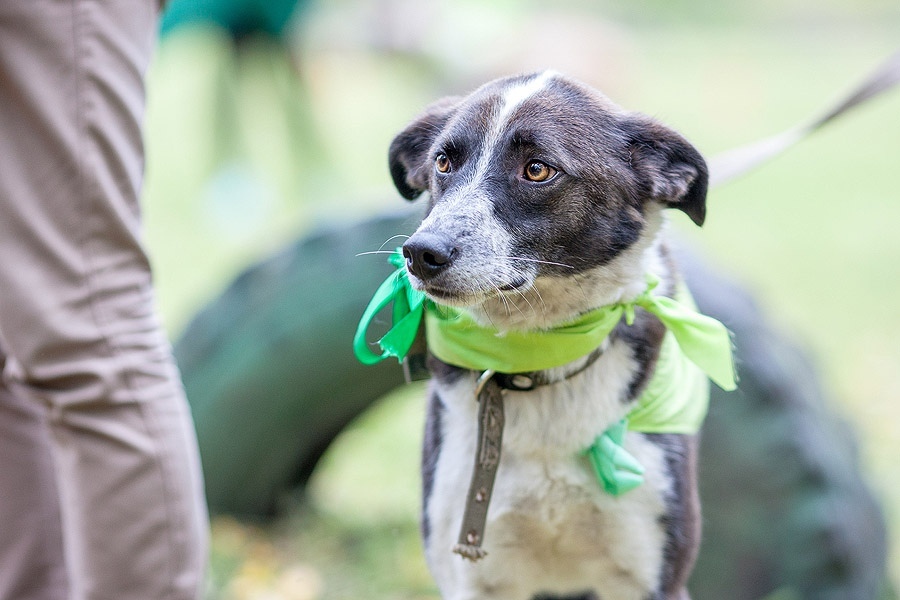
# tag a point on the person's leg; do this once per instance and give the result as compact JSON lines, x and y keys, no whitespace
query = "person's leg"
{"x":31,"y":549}
{"x":77,"y":315}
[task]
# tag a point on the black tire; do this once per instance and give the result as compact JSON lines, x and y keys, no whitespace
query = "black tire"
{"x":269,"y":369}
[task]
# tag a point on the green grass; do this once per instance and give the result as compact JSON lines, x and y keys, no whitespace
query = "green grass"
{"x":355,"y":533}
{"x":814,"y":234}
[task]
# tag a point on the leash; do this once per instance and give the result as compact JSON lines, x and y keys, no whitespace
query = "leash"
{"x":732,"y":164}
{"x":487,"y":458}
{"x":489,"y":390}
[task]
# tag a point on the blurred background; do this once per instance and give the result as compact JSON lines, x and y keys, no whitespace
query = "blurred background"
{"x":266,"y":125}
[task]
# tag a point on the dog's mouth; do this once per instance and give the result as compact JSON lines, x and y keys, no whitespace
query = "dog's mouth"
{"x":453,"y":297}
{"x":461,"y":297}
{"x":516,"y":284}
{"x":443,"y":295}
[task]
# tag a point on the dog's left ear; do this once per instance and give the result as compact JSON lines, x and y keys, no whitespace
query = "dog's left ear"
{"x":670,"y":169}
{"x":408,"y":155}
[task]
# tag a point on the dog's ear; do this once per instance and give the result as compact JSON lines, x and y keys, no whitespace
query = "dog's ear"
{"x":408,"y":155}
{"x":669,"y":168}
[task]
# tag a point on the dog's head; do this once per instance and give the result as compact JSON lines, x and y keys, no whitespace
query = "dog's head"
{"x":536,"y":178}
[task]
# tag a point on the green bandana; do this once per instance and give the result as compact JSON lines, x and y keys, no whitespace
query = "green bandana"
{"x":407,"y":316}
{"x":455,"y":338}
{"x":675,"y":400}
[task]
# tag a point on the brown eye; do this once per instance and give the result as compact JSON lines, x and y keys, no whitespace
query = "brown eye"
{"x":442,"y":163}
{"x":538,"y":171}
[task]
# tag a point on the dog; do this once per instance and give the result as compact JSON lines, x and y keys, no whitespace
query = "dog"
{"x":547,"y":200}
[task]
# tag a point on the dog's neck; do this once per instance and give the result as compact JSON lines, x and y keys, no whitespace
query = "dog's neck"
{"x":552,"y":301}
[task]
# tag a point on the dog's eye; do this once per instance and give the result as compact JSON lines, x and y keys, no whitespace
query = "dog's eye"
{"x":538,"y":171}
{"x":442,"y":163}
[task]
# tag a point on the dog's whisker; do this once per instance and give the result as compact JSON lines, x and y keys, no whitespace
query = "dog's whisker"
{"x":490,"y":319}
{"x":518,"y":293}
{"x":507,"y":305}
{"x":381,"y":249}
{"x":521,"y":294}
{"x":503,"y":296}
{"x":512,"y":275}
{"x":534,"y":309}
{"x":509,"y":273}
{"x":393,"y":237}
{"x":581,"y":288}
{"x":535,"y":292}
{"x":512,"y":300}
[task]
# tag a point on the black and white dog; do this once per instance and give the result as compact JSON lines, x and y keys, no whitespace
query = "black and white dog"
{"x":547,"y":201}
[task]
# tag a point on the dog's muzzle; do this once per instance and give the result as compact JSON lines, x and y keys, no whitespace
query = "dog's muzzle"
{"x":428,"y":254}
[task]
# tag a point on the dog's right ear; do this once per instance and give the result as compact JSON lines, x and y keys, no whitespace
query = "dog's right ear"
{"x":408,"y":155}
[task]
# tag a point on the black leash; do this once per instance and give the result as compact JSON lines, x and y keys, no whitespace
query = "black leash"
{"x":487,"y":458}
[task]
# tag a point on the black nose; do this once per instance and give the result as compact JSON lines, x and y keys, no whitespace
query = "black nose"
{"x":428,"y":254}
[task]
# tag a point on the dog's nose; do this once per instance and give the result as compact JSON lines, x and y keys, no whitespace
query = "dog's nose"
{"x":428,"y":254}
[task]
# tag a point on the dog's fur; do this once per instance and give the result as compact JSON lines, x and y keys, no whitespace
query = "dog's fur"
{"x":520,"y":254}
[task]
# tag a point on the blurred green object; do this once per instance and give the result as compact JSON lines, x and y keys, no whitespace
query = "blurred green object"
{"x":785,"y":508}
{"x":272,"y":379}
{"x":233,"y":155}
{"x":240,"y":18}
{"x":270,"y":371}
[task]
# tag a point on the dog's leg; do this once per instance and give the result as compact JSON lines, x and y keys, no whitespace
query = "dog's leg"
{"x":431,"y":449}
{"x":682,"y":522}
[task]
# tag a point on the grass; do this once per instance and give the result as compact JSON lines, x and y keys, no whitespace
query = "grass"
{"x":353,"y":535}
{"x":813,"y":233}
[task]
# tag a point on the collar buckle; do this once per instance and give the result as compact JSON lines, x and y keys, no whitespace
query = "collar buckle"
{"x":519,"y":382}
{"x":482,"y":381}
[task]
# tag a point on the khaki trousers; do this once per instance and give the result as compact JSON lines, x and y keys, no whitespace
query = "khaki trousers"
{"x":100,"y":489}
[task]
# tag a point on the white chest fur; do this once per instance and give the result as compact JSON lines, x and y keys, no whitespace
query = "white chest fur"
{"x":551,"y":527}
